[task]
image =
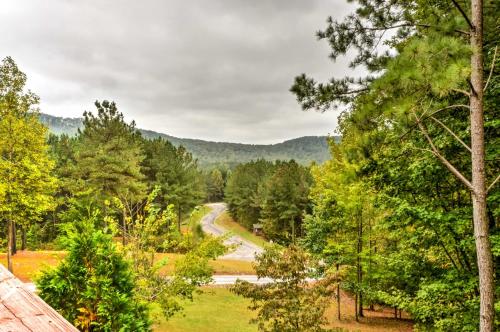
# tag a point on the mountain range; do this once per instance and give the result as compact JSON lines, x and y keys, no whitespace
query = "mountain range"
{"x":304,"y":149}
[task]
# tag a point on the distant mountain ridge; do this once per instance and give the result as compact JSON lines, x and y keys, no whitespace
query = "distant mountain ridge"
{"x":303,"y":149}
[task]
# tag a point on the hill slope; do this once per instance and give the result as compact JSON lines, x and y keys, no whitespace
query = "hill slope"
{"x":303,"y":149}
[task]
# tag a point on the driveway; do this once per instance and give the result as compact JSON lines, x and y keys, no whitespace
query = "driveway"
{"x":244,"y":251}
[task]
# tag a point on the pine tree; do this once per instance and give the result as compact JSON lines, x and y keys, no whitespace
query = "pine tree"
{"x":437,"y":67}
{"x":285,"y":199}
{"x":108,"y":159}
{"x":175,"y":172}
{"x":215,"y":186}
{"x":94,"y":286}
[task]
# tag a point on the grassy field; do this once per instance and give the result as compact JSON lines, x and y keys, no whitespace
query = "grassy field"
{"x":218,"y":310}
{"x":228,"y":223}
{"x":27,"y":264}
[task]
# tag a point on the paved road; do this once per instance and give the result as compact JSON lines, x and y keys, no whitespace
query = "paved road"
{"x":245,"y":250}
{"x":217,"y":280}
{"x":231,"y":279}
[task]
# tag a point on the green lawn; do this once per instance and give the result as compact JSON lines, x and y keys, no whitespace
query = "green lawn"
{"x":232,"y":226}
{"x":216,"y":310}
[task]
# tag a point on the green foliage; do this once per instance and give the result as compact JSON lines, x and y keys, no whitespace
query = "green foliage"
{"x":243,"y":191}
{"x":94,"y":287}
{"x":423,"y":257}
{"x":275,"y":194}
{"x":25,"y":166}
{"x":108,"y":155}
{"x":285,"y":200}
{"x":175,"y":172}
{"x":289,"y":303}
{"x":26,"y":181}
{"x":215,"y":185}
{"x":190,"y":272}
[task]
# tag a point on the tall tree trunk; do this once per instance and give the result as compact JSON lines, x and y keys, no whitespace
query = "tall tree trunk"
{"x":179,"y":218}
{"x":124,"y":226}
{"x":292,"y":222}
{"x":23,"y":238}
{"x":9,"y":245}
{"x":358,"y":263}
{"x":370,"y":248}
{"x":338,"y":294}
{"x":481,"y":227}
{"x":356,"y":307}
{"x":14,"y":239}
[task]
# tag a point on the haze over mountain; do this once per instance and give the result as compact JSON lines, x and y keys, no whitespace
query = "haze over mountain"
{"x":303,"y":149}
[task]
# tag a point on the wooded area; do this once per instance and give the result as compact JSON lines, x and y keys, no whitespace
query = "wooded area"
{"x":405,"y":214}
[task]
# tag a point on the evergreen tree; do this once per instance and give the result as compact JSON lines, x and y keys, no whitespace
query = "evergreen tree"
{"x":215,"y":186}
{"x":244,"y":189}
{"x":94,"y":287}
{"x":176,"y":173}
{"x":437,"y":68}
{"x":285,"y":199}
{"x":108,"y":159}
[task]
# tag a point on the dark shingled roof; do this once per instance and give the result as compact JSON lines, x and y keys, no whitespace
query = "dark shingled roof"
{"x":23,"y":311}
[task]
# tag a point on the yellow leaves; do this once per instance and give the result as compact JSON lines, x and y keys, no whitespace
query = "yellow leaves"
{"x":85,"y":319}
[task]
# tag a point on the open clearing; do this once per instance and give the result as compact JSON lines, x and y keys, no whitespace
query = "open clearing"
{"x":218,"y":310}
{"x":27,"y":264}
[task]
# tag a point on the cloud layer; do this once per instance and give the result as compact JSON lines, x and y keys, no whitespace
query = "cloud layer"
{"x":217,"y":70}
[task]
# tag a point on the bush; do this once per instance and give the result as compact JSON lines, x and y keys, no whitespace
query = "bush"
{"x":290,"y":303}
{"x":93,"y":287}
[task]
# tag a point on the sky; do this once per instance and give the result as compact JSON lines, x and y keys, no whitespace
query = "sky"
{"x":217,"y":70}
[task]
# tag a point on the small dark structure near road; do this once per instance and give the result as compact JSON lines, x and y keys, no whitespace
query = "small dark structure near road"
{"x":257,"y":229}
{"x":23,"y":311}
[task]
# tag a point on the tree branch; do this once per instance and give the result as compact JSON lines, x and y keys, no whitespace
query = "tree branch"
{"x":462,"y":91}
{"x":457,"y":5}
{"x":443,"y":160}
{"x":452,"y":133}
{"x":449,"y":107}
{"x":402,"y":25}
{"x":493,"y":184}
{"x":491,"y":69}
{"x":433,"y":113}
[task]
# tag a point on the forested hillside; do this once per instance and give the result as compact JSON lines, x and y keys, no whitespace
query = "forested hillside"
{"x":396,"y":228}
{"x":303,"y":149}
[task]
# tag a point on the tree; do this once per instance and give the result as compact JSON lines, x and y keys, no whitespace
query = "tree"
{"x":191,"y":271}
{"x":215,"y":186}
{"x":94,"y":287}
{"x":340,"y":228}
{"x":176,"y":173}
{"x":437,"y":68}
{"x":244,"y":191}
{"x":285,"y":199}
{"x":25,"y":167}
{"x":108,"y":159}
{"x":289,"y":303}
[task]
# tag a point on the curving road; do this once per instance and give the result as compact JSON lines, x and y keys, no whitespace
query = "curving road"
{"x":244,"y":251}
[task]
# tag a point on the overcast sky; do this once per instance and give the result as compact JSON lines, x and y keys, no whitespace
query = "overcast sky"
{"x":211,"y":69}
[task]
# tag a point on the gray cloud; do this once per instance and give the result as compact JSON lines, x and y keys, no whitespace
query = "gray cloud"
{"x":217,"y":69}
